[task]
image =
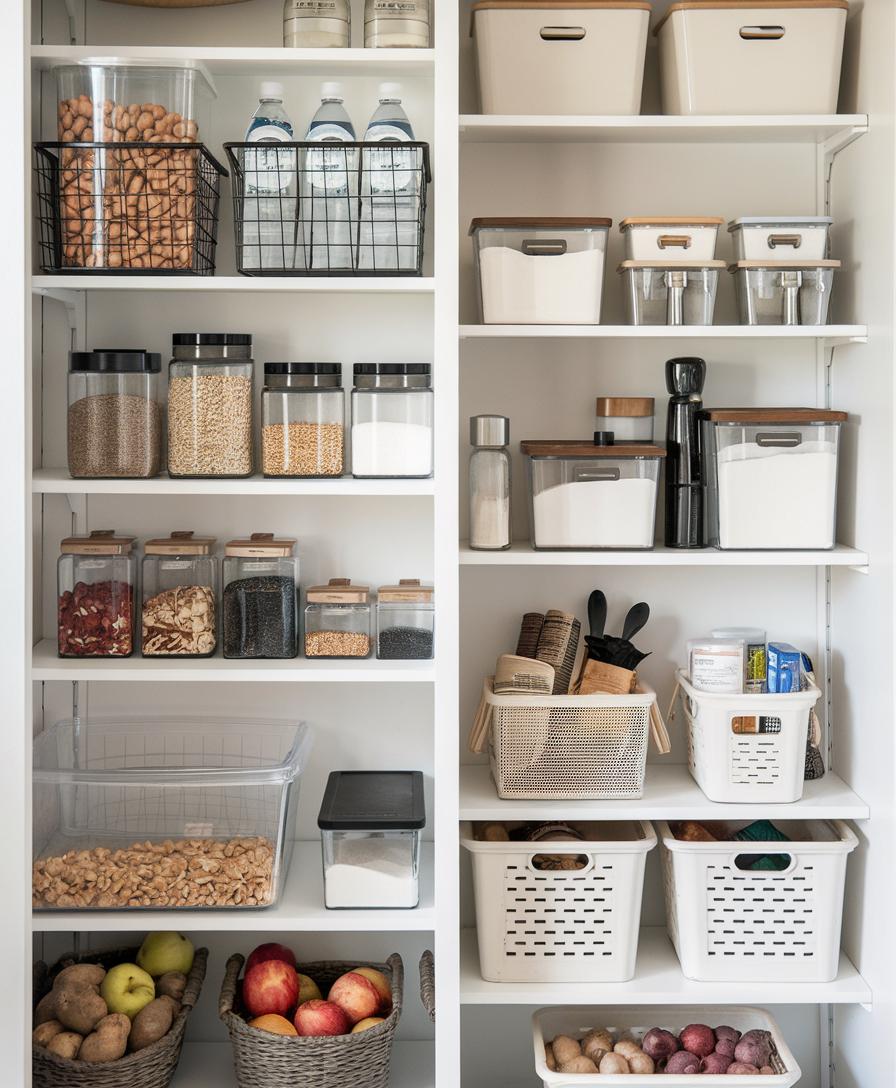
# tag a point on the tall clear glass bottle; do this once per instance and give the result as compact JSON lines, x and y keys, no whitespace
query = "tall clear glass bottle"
{"x":490,"y":521}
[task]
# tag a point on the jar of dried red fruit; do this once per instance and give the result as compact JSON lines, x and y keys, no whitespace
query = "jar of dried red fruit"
{"x":96,"y":578}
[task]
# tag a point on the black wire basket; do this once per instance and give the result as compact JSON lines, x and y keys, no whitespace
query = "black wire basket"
{"x":329,"y":209}
{"x":127,"y":208}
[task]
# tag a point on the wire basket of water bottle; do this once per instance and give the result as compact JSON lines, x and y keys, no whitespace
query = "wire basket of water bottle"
{"x":313,"y":208}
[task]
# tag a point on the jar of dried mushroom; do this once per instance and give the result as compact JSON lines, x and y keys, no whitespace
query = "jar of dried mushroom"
{"x":337,"y":620}
{"x":96,"y":579}
{"x":302,"y":412}
{"x":114,"y":414}
{"x":210,"y":405}
{"x":405,"y":621}
{"x":261,"y":588}
{"x":180,"y":592}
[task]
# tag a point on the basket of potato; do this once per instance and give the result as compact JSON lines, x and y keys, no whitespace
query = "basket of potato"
{"x":115,"y":1018}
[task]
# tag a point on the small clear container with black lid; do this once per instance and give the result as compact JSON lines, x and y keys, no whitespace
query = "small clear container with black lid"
{"x":261,"y":590}
{"x":180,"y":595}
{"x":114,"y":414}
{"x":371,"y":823}
{"x":392,"y":421}
{"x":96,"y":581}
{"x":302,"y":416}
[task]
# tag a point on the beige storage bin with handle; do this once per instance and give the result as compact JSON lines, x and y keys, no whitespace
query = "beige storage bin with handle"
{"x":560,"y":56}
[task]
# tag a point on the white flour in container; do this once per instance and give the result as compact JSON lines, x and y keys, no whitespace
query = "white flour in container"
{"x":391,"y":449}
{"x":772,"y":498}
{"x":518,"y":289}
{"x":372,"y":872}
{"x":596,"y":514}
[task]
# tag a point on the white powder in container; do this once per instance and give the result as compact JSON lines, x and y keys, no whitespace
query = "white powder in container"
{"x":391,"y":449}
{"x":520,"y":289}
{"x":596,"y":514}
{"x":372,"y":872}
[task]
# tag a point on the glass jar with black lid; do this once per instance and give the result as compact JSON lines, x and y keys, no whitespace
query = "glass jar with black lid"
{"x":302,"y":416}
{"x":392,"y":421}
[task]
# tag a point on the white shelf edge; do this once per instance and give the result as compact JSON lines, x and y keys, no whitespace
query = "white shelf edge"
{"x":46,"y":665}
{"x":832,"y":335}
{"x":399,"y":285}
{"x":301,"y":909}
{"x":669,"y":793}
{"x":657,"y":981}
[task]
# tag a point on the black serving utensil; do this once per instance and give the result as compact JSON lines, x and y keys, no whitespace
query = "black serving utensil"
{"x":597,"y":613}
{"x":637,"y":616}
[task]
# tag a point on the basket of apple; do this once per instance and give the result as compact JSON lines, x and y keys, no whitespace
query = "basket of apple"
{"x":115,"y":1018}
{"x":329,"y":1023}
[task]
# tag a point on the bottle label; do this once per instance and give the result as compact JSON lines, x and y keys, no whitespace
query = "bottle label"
{"x":260,"y":564}
{"x":399,"y":7}
{"x":313,"y":7}
{"x":175,"y":564}
{"x":92,"y":564}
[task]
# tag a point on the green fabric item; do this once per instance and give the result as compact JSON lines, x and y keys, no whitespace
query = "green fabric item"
{"x":771,"y":862}
{"x":760,"y":831}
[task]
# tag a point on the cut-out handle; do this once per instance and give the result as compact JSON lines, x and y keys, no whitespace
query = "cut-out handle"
{"x":761,"y":33}
{"x":605,"y":474}
{"x":778,"y":438}
{"x":544,"y":247}
{"x":563,"y":33}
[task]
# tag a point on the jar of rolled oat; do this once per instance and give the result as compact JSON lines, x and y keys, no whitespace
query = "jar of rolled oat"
{"x":180,"y":592}
{"x":210,"y":405}
{"x":302,"y":413}
{"x":96,"y":580}
{"x":337,"y":620}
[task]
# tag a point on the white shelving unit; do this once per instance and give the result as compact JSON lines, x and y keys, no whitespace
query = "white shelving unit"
{"x":523,"y":554}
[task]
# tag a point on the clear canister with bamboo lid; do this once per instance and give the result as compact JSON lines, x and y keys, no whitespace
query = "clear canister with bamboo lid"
{"x":337,"y":620}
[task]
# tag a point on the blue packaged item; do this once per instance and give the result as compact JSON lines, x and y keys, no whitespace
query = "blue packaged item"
{"x":783,"y":672}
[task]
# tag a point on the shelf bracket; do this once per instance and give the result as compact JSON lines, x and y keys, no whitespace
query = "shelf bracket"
{"x":75,"y":303}
{"x":77,"y":503}
{"x":860,"y":568}
{"x":827,"y":151}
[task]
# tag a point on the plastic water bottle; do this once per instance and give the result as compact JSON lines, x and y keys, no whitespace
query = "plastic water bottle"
{"x":329,"y":214}
{"x":317,"y":24}
{"x":269,"y":204}
{"x":390,"y":191}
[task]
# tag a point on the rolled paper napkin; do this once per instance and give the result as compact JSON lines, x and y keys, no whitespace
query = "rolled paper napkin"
{"x":560,"y":629}
{"x":523,"y":675}
{"x":530,"y":630}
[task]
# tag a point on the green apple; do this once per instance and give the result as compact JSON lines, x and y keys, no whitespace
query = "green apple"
{"x":308,"y":990}
{"x":127,"y":989}
{"x":165,"y":951}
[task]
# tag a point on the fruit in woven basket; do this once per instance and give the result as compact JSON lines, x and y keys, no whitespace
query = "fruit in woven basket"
{"x":381,"y":983}
{"x":127,"y":988}
{"x":43,"y":1033}
{"x":271,"y":986}
{"x":75,"y":999}
{"x":278,"y":1025}
{"x":108,"y":1040}
{"x":152,"y":1022}
{"x":367,"y":1022}
{"x":172,"y":984}
{"x":66,"y":1044}
{"x":321,"y":1018}
{"x":356,"y":995}
{"x":271,"y":951}
{"x":165,"y":951}
{"x":308,"y":990}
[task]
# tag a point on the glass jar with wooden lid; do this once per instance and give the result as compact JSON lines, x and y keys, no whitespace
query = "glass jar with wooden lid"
{"x":337,"y":620}
{"x":96,"y":577}
{"x":405,"y":616}
{"x":261,"y":591}
{"x":180,"y":596}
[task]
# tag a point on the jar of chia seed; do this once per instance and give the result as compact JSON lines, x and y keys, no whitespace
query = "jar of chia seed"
{"x":405,"y":621}
{"x":260,"y":600}
{"x":337,"y":620}
{"x":96,"y":580}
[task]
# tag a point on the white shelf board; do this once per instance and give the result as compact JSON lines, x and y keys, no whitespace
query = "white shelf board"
{"x":658,"y":981}
{"x":57,"y":481}
{"x":46,"y":665}
{"x":523,"y":554}
{"x":210,"y":1065}
{"x":301,"y":908}
{"x":832,"y":335}
{"x":670,"y":793}
{"x":804,"y":129}
{"x":274,"y":62}
{"x":414,"y":285}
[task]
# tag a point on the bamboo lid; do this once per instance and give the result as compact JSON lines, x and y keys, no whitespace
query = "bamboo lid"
{"x":408,"y":590}
{"x":772,"y":415}
{"x":180,"y":543}
{"x":338,"y":591}
{"x":99,"y":542}
{"x":749,"y":5}
{"x":576,"y":448}
{"x":634,"y":407}
{"x":260,"y":545}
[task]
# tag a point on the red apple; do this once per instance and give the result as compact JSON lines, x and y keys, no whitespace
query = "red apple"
{"x":355,"y":995}
{"x":382,"y":986}
{"x":320,"y":1018}
{"x":270,"y":987}
{"x":270,"y":952}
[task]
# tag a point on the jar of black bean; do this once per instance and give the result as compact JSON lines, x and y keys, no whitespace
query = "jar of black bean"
{"x":405,"y":617}
{"x":260,"y":599}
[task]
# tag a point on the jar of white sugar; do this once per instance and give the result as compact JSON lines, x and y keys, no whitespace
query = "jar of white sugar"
{"x":370,"y":824}
{"x":592,"y":495}
{"x":392,"y":414}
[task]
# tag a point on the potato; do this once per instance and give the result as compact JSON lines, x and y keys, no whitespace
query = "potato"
{"x":626,"y":1047}
{"x":565,"y":1049}
{"x":549,"y":1059}
{"x":579,"y":1064}
{"x":46,"y":1010}
{"x":66,"y":1044}
{"x":152,"y":1022}
{"x":46,"y":1031}
{"x":640,"y":1062}
{"x":172,"y":985}
{"x":596,"y":1044}
{"x":613,"y":1063}
{"x":75,"y":998}
{"x":107,"y":1041}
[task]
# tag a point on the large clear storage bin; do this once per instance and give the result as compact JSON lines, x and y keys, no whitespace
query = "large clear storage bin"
{"x":771,"y":475}
{"x":538,"y":920}
{"x":783,"y":293}
{"x":371,"y":825}
{"x":668,"y":238}
{"x":114,"y":415}
{"x":744,"y":58}
{"x":540,"y":271}
{"x":180,"y":596}
{"x":166,"y":812}
{"x":337,"y":620}
{"x":392,"y":421}
{"x":302,"y":416}
{"x":585,"y":495}
{"x":261,"y":598}
{"x":671,"y":293}
{"x":788,"y":237}
{"x":560,"y":58}
{"x":758,"y":911}
{"x":405,"y":621}
{"x":96,"y":579}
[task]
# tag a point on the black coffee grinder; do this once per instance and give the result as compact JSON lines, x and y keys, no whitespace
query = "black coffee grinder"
{"x":684,"y":484}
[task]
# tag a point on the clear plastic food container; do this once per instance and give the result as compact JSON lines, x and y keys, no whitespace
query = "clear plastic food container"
{"x":789,"y":237}
{"x":337,"y":620}
{"x":783,"y":293}
{"x":371,"y":824}
{"x":540,"y":271}
{"x":771,"y":475}
{"x":664,"y":238}
{"x":625,"y":419}
{"x":584,"y":495}
{"x":180,"y":596}
{"x":96,"y":583}
{"x":302,"y":416}
{"x":682,"y":293}
{"x":215,"y":799}
{"x":405,"y":621}
{"x":261,"y":598}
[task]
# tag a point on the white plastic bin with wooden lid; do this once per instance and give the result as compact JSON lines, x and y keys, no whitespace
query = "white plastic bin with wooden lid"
{"x":560,"y":56}
{"x":733,"y":57}
{"x":670,"y":238}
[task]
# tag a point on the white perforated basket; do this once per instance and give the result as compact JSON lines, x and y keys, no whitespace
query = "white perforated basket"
{"x":737,"y":925}
{"x":537,"y":925}
{"x":567,"y":746}
{"x":732,"y":764}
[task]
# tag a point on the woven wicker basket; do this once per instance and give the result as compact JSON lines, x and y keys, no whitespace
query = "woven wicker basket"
{"x":265,"y":1060}
{"x":428,"y":983}
{"x":152,"y":1067}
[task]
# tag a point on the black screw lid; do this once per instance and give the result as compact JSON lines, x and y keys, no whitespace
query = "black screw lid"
{"x":303,"y":368}
{"x":193,"y":339}
{"x":113,"y":361}
{"x":393,"y":368}
{"x":685,"y":377}
{"x":373,"y":801}
{"x":604,"y":438}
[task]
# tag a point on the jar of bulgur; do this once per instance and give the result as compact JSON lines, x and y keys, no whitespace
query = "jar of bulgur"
{"x":302,"y":413}
{"x":337,"y":620}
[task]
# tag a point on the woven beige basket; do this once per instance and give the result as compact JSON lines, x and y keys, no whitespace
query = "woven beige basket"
{"x":428,"y":983}
{"x":265,"y":1060}
{"x":152,"y":1067}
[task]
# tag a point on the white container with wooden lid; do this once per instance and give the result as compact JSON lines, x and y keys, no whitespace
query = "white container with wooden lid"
{"x":560,"y":56}
{"x":780,"y":238}
{"x":735,"y":57}
{"x":670,"y":238}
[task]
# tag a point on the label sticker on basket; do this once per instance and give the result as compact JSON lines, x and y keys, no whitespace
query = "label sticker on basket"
{"x":755,"y":723}
{"x":199,"y":831}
